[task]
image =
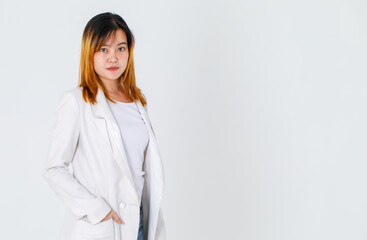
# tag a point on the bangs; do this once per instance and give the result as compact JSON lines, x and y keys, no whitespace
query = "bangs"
{"x":100,"y":38}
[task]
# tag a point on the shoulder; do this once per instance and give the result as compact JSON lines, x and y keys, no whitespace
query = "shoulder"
{"x":71,"y":97}
{"x":75,"y":93}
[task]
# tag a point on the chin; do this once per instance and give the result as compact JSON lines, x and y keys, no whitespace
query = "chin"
{"x":112,"y":76}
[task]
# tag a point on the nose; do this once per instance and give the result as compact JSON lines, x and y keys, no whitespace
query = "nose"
{"x":112,"y":57}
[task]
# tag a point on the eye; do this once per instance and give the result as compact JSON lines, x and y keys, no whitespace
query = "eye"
{"x":103,"y":49}
{"x":121,"y":49}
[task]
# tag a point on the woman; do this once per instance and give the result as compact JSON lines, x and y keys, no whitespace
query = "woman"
{"x":114,"y":187}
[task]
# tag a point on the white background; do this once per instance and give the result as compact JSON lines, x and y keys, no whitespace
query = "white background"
{"x":259,"y":108}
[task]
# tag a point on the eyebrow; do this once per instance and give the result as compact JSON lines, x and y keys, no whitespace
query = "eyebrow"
{"x":117,"y":44}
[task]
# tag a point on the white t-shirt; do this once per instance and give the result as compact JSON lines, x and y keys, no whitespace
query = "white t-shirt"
{"x":135,"y":137}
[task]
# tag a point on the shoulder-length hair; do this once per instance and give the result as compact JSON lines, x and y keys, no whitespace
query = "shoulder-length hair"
{"x":96,"y":33}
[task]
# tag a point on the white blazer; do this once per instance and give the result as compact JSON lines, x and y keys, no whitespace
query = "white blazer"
{"x":87,"y":138}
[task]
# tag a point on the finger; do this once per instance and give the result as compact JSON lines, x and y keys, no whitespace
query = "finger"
{"x":118,"y":220}
{"x":108,"y":216}
{"x":116,"y":217}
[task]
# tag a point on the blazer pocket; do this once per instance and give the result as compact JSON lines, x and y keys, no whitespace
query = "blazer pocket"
{"x":86,"y":231}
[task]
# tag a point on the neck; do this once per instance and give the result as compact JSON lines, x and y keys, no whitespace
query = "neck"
{"x":112,"y":86}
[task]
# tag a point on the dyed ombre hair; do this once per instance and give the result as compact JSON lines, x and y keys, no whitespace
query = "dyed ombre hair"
{"x":96,"y":33}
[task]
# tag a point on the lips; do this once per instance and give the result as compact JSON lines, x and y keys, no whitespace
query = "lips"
{"x":112,"y":68}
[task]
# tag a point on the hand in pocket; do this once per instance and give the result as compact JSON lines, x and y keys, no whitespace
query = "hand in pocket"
{"x":112,"y":214}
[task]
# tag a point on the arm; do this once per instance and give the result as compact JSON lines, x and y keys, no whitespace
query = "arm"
{"x":160,"y":233}
{"x":60,"y":154}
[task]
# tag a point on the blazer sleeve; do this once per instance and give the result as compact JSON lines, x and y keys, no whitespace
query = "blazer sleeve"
{"x":64,"y":141}
{"x":160,"y":233}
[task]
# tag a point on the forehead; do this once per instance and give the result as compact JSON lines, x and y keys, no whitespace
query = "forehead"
{"x":117,"y":36}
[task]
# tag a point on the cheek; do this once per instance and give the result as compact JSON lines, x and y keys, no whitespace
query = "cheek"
{"x":124,"y":58}
{"x":98,"y":62}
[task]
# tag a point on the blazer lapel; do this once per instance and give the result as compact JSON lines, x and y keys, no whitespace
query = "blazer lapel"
{"x":146,"y":119}
{"x":155,"y":164}
{"x":105,"y":119}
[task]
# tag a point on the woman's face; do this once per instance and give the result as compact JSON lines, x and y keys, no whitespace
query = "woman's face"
{"x":110,"y":60}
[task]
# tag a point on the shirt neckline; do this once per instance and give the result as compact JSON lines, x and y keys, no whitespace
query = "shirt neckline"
{"x":123,"y":102}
